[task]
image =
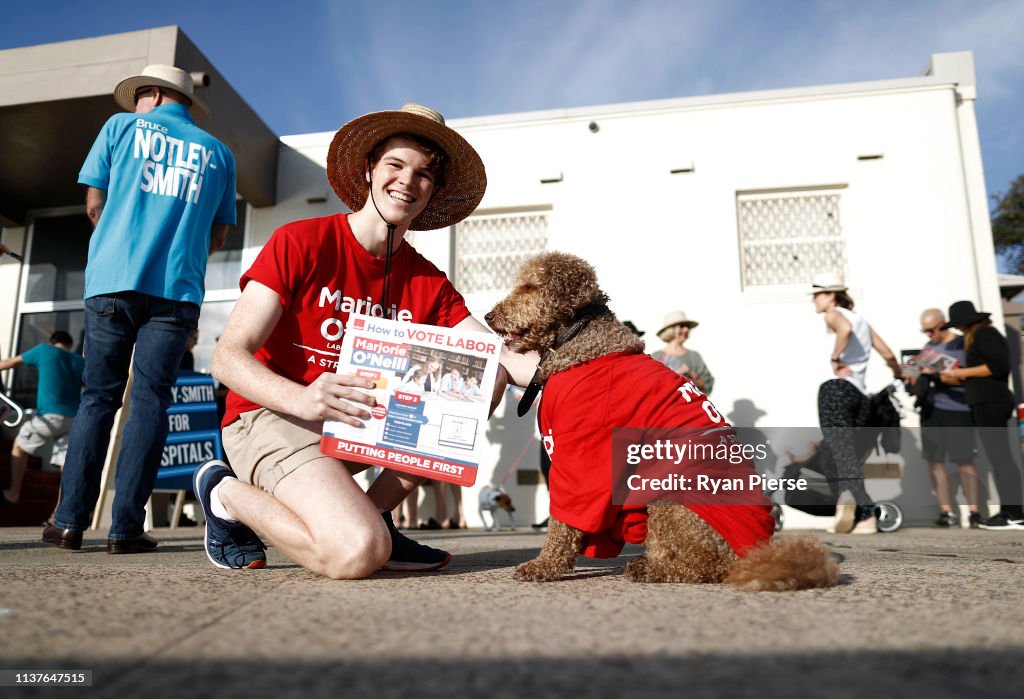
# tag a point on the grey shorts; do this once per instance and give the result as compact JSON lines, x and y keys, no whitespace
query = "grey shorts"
{"x":38,"y":435}
{"x":264,"y":447}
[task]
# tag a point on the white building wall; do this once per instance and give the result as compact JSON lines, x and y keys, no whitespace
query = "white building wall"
{"x":663,"y":241}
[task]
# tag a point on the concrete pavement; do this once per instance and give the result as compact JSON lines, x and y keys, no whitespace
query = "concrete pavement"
{"x":921,"y":612}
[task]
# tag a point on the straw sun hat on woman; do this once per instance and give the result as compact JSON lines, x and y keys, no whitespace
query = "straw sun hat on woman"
{"x":669,"y":323}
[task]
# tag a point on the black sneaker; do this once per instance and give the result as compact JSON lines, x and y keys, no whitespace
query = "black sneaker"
{"x":408,"y":556}
{"x":541,"y":526}
{"x":228,"y":544}
{"x":975,"y":520}
{"x":947,"y":520}
{"x":1004,"y":521}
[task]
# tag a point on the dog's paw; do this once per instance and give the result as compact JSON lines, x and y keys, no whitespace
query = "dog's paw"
{"x":642,"y":570}
{"x":638,"y":570}
{"x":536,"y":570}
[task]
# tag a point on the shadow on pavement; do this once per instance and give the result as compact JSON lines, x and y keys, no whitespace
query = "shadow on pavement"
{"x":933,"y":674}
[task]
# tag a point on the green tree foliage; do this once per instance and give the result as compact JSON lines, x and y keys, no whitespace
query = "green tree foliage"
{"x":1008,"y":225}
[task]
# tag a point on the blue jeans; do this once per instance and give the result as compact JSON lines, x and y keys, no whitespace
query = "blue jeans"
{"x":158,"y":329}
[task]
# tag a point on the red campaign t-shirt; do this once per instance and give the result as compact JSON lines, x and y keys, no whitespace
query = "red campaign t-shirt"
{"x":579,"y":410}
{"x":321,"y":273}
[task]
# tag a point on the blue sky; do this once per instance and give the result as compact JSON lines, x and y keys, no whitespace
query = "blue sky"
{"x":312,"y":65}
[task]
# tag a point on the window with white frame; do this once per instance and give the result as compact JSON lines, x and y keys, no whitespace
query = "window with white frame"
{"x":53,"y":287}
{"x":787,"y":237}
{"x":489,"y":249}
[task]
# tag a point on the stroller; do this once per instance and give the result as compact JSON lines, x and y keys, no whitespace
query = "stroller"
{"x":11,"y":414}
{"x":881,"y":432}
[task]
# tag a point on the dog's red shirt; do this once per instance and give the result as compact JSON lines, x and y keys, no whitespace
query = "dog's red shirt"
{"x":580,"y":408}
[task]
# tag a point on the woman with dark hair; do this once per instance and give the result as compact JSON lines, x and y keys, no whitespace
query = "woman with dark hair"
{"x":843,"y":400}
{"x":988,"y":394}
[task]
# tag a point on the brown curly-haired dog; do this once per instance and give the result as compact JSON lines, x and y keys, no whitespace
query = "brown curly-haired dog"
{"x":558,"y":310}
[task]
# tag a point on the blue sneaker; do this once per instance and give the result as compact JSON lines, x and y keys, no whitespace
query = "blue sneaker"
{"x":228,"y":544}
{"x":408,"y":556}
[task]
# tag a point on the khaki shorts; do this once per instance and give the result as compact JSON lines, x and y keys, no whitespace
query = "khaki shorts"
{"x":264,"y":447}
{"x":40,"y":433}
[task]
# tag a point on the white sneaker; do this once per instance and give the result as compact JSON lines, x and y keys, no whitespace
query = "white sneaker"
{"x":846,"y":512}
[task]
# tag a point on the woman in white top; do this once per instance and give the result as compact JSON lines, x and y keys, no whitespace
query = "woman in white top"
{"x":843,"y":401}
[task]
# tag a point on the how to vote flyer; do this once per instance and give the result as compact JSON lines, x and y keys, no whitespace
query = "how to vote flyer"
{"x":433,"y":388}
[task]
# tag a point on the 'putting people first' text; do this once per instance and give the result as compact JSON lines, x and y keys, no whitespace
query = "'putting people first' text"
{"x":172,"y":167}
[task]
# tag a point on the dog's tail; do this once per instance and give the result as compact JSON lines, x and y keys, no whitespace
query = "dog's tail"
{"x":785,"y":563}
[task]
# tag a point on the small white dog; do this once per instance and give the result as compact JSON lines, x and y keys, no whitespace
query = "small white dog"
{"x":492,"y":499}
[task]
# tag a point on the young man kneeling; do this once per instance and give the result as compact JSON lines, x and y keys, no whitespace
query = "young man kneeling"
{"x":397,"y":171}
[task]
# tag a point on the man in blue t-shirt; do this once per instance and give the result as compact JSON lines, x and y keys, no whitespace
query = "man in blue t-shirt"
{"x":58,"y":392}
{"x":946,"y":429}
{"x":161,"y":195}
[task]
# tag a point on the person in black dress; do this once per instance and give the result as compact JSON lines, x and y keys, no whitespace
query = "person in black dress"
{"x":986,"y":378}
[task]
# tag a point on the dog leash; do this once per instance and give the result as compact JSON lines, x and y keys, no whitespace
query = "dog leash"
{"x":515,"y":464}
{"x":530,"y":395}
{"x":583,"y":317}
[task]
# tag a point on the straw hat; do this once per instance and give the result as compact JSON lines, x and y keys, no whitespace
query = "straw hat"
{"x":827,"y":281}
{"x":672,"y":320}
{"x":160,"y":76}
{"x":451,"y":202}
{"x":963,"y":314}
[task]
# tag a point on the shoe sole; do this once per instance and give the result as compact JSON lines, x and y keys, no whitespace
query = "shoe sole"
{"x":404,"y":567}
{"x":255,"y":565}
{"x":1007,"y":528}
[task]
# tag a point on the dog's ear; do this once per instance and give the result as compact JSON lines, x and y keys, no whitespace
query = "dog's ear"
{"x":576,"y":279}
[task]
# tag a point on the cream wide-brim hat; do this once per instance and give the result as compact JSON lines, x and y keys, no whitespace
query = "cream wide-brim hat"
{"x":672,"y":320}
{"x":465,"y":178}
{"x":827,"y":282}
{"x":160,"y":76}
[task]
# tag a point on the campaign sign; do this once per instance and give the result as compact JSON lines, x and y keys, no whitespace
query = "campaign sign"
{"x":194,"y":436}
{"x":432,"y":388}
